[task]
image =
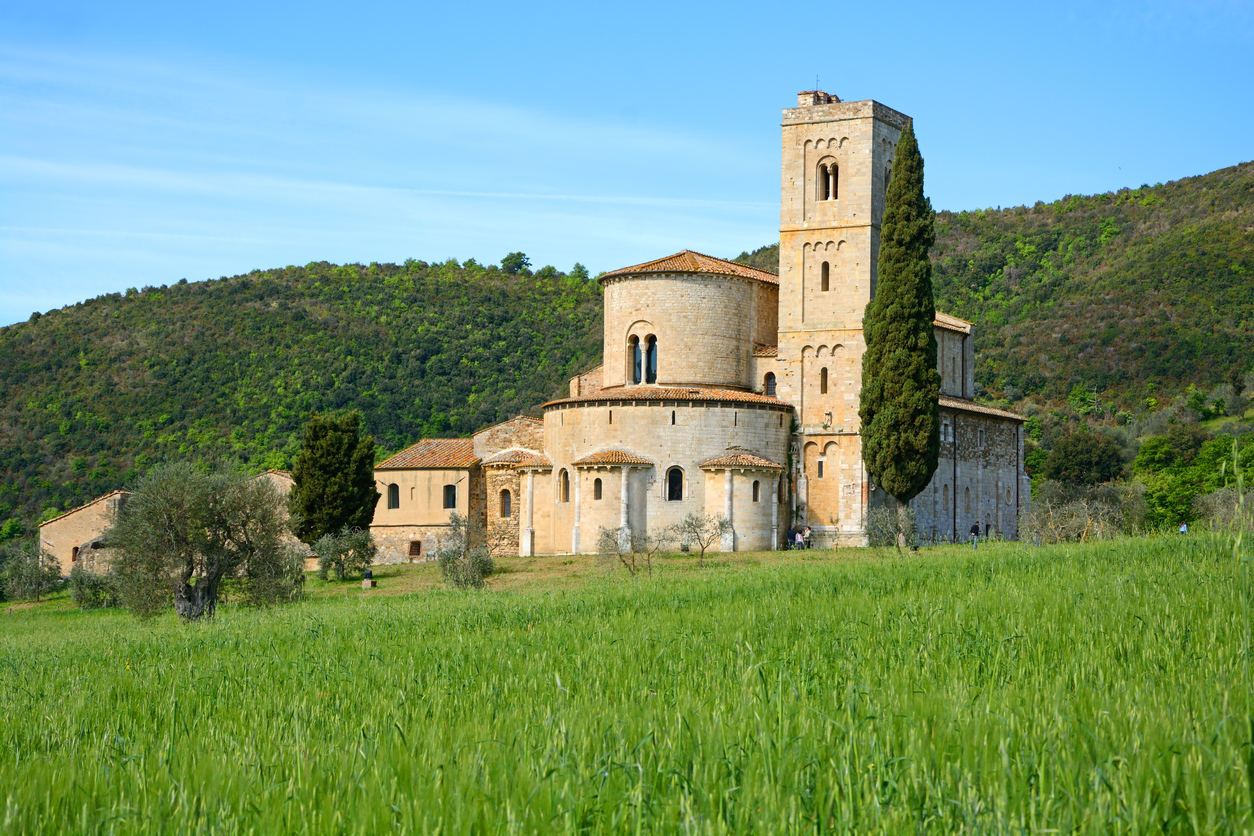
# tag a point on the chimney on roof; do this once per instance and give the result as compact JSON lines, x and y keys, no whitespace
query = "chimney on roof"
{"x":809,"y":98}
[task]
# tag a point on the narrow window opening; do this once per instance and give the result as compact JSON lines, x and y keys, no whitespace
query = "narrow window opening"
{"x":415,"y":548}
{"x":565,"y":486}
{"x":634,"y":359}
{"x":757,"y":490}
{"x":823,"y":381}
{"x":834,"y":174}
{"x":74,"y":554}
{"x":672,"y":417}
{"x":966,"y":499}
{"x":781,"y":419}
{"x":823,"y":182}
{"x":674,"y":485}
{"x":735,"y":419}
{"x":611,"y":416}
{"x":450,"y":496}
{"x":394,"y":496}
{"x":507,"y":504}
{"x":1008,"y":499}
{"x":596,"y":489}
{"x":825,"y":275}
{"x":820,"y":468}
{"x":945,"y":496}
{"x":888,"y":177}
{"x":769,"y":384}
{"x":651,"y":358}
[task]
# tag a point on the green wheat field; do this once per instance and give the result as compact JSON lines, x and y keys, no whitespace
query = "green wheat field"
{"x":1069,"y":689}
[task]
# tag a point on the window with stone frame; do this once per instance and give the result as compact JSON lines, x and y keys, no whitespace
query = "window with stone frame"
{"x":674,"y":485}
{"x":450,"y":496}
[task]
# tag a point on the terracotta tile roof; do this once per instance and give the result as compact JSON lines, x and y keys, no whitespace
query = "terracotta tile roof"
{"x":535,"y":462}
{"x":510,"y":457}
{"x":84,"y":505}
{"x":766,"y":351}
{"x":951,"y":323}
{"x":664,"y":393}
{"x":745,"y":460}
{"x":434,"y":453}
{"x":694,"y":262}
{"x":972,"y":406}
{"x":611,"y":457}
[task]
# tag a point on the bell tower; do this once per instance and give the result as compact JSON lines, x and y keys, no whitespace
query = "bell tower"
{"x":837,"y":160}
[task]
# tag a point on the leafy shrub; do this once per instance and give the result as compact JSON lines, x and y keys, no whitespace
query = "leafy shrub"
{"x":350,"y":552}
{"x":91,"y":590}
{"x":464,"y":556}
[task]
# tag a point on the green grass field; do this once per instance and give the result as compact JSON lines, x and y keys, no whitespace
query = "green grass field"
{"x":1085,"y":689}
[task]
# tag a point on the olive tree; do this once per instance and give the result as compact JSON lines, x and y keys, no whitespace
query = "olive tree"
{"x":184,"y":531}
{"x":30,"y":573}
{"x":464,"y":554}
{"x":351,"y":551}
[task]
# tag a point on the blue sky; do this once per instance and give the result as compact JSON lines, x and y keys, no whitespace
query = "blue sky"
{"x":141,"y":143}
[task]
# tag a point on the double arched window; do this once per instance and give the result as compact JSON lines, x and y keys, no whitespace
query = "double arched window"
{"x":828,"y":186}
{"x":674,"y":485}
{"x":642,"y":358}
{"x":394,"y":496}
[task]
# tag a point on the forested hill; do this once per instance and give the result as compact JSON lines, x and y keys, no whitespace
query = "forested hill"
{"x":228,"y":370}
{"x":1119,"y":291}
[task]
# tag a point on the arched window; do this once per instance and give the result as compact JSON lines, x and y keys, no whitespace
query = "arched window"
{"x":506,"y":504}
{"x":394,"y":496}
{"x":634,"y":358}
{"x":768,"y":385}
{"x":450,"y":496}
{"x":823,"y":381}
{"x":611,"y":416}
{"x":73,"y":553}
{"x":888,"y":177}
{"x":822,"y":185}
{"x":596,"y":489}
{"x":564,"y":486}
{"x":833,"y":176}
{"x":650,"y":372}
{"x":966,"y":500}
{"x":825,"y":273}
{"x":757,"y":490}
{"x":674,"y":485}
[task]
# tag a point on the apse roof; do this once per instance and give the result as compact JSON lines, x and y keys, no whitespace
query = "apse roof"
{"x":741,"y":460}
{"x":671,"y":393}
{"x":689,"y":261}
{"x":611,"y":457}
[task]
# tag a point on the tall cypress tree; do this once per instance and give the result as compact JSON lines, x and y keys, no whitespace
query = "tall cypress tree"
{"x":333,"y":478}
{"x":900,"y":384}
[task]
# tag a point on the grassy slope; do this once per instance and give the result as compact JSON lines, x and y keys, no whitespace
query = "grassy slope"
{"x":1081,"y":689}
{"x":1117,"y":290}
{"x":230,"y":369}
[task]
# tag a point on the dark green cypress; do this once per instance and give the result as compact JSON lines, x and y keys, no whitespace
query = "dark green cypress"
{"x":333,"y":478}
{"x":900,"y":384}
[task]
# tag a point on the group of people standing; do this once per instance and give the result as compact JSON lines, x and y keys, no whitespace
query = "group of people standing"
{"x":798,"y":538}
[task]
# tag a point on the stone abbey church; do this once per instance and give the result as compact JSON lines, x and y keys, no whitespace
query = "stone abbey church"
{"x":727,"y":390}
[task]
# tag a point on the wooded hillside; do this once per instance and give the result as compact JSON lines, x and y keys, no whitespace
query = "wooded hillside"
{"x":229,"y":370}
